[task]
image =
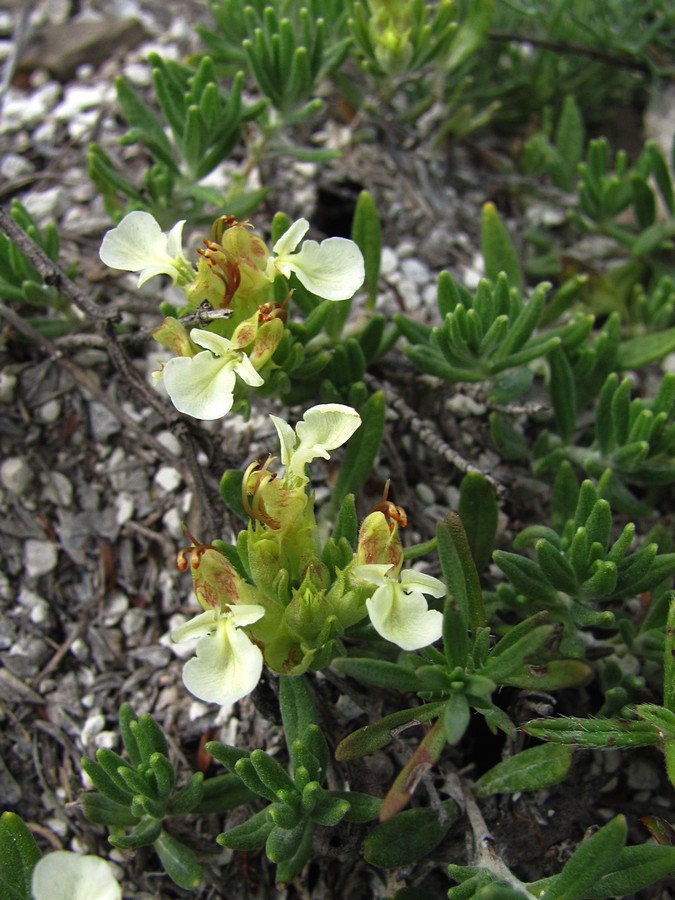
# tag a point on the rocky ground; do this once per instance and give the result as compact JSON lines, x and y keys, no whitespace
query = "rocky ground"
{"x":95,"y":484}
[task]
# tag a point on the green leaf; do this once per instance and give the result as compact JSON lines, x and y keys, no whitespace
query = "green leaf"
{"x":141,"y":117}
{"x":126,"y":717}
{"x":379,"y":734}
{"x":143,"y":834}
{"x":297,"y":708}
{"x":409,"y":835}
{"x":165,"y":776}
{"x":590,"y":861}
{"x":498,"y":250}
{"x":556,"y":568}
{"x":104,"y":811}
{"x":362,"y":449}
{"x":569,"y":139}
{"x":293,"y":864}
{"x":459,"y":571}
{"x":18,"y":855}
{"x":456,"y":717}
{"x":378,"y":672}
{"x":108,"y":786}
{"x":563,"y":394}
{"x":455,"y":635}
{"x":529,"y":770}
{"x":327,"y":809}
{"x":669,"y":658}
{"x":283,"y":844}
{"x":525,"y":575}
{"x":111,"y":763}
{"x":367,"y":234}
{"x":190,"y":795}
{"x":636,"y":868}
{"x":219,"y":794}
{"x":479,"y":513}
{"x":646,"y":348}
{"x":551,"y":676}
{"x":180,"y":863}
{"x":230,"y":491}
{"x":520,"y":644}
{"x":597,"y":733}
{"x":149,"y":737}
{"x":250,"y":835}
{"x":362,"y":807}
{"x":270,"y":772}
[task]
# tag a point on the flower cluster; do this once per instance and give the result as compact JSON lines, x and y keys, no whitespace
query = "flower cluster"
{"x":235,"y":272}
{"x":289,"y":609}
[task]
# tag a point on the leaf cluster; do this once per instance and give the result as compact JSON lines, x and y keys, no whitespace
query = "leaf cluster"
{"x":205,"y":122}
{"x":22,"y":284}
{"x":298,"y":801}
{"x":140,"y":793}
{"x":601,"y":867}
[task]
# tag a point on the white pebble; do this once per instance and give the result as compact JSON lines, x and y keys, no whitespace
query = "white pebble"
{"x":58,"y":826}
{"x":46,"y":204}
{"x":14,"y":165}
{"x":168,"y":479}
{"x":117,"y":605}
{"x":40,"y":612}
{"x":78,"y":98}
{"x":27,"y":110}
{"x":415,"y":270}
{"x":463,"y":406}
{"x":107,"y":739}
{"x":125,"y":506}
{"x":138,"y":74}
{"x":94,"y":724}
{"x":15,"y":474}
{"x":132,"y":623}
{"x":7,"y":387}
{"x":172,"y":522}
{"x":58,"y":488}
{"x":50,"y":411}
{"x":406,"y":248}
{"x":425,"y":493}
{"x":388,"y":262}
{"x":80,"y":650}
{"x":39,"y":557}
{"x":169,"y":440}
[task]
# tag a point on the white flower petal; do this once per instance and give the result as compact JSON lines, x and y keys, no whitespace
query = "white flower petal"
{"x":134,"y":243}
{"x":412,"y":580}
{"x":245,"y":369}
{"x":70,"y":876}
{"x":201,"y":385}
{"x":287,"y":439}
{"x":202,"y":624}
{"x":174,"y":239}
{"x":290,"y":239}
{"x":216,"y":343}
{"x":375,"y":573}
{"x":333,"y":269}
{"x":404,"y":619}
{"x":226,"y":668}
{"x":324,"y":427}
{"x":138,"y":244}
{"x":243,"y":614}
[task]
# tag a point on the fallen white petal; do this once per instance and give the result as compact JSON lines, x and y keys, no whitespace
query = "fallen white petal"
{"x":63,"y":875}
